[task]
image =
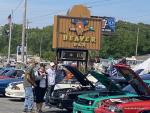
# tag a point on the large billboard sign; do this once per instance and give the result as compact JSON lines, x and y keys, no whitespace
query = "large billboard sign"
{"x":77,"y":33}
{"x":108,"y":24}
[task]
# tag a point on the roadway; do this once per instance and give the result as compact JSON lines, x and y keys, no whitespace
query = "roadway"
{"x":15,"y":105}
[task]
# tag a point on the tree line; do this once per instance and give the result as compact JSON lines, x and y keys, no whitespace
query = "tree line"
{"x":121,"y":43}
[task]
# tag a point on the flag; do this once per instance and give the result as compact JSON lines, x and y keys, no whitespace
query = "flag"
{"x":114,"y":72}
{"x":9,"y":19}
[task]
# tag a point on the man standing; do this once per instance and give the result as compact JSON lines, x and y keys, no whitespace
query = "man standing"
{"x":28,"y":83}
{"x":51,"y":74}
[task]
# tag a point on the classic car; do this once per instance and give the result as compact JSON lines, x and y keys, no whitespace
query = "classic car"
{"x":16,"y":89}
{"x":4,"y":83}
{"x":139,"y":104}
{"x":64,"y":98}
{"x":88,"y":102}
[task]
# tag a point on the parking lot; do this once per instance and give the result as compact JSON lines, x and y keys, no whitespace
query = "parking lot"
{"x":14,"y":105}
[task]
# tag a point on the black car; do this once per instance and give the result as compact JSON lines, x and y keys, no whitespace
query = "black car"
{"x":63,"y":98}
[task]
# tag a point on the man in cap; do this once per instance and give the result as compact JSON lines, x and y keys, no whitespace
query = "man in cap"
{"x":28,"y":83}
{"x":51,"y":81}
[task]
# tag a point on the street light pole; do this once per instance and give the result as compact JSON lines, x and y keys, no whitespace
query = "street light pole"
{"x":10,"y":36}
{"x":137,"y":42}
{"x":23,"y":30}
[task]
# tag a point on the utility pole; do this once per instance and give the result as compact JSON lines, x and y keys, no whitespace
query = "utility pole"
{"x":10,"y":36}
{"x":23,"y":30}
{"x":137,"y":41}
{"x":41,"y":40}
{"x":27,"y":39}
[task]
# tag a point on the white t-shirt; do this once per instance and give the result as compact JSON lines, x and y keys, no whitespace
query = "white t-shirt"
{"x":51,"y":76}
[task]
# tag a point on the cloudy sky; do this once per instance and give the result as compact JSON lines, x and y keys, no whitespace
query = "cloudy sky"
{"x":40,"y":12}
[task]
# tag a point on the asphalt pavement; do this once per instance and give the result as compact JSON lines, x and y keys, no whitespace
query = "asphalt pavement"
{"x":15,"y":105}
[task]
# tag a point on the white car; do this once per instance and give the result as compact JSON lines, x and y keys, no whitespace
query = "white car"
{"x":17,"y":90}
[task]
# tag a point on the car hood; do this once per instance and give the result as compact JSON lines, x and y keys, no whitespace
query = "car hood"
{"x":105,"y":81}
{"x":9,"y":80}
{"x":136,"y":82}
{"x":79,"y":76}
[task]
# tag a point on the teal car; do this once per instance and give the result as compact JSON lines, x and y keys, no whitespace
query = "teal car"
{"x":86,"y":103}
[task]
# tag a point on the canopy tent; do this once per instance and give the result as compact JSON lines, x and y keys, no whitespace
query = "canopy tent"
{"x":145,"y":66}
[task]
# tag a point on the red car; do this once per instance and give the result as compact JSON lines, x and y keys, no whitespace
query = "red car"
{"x":125,"y":105}
{"x":139,"y":104}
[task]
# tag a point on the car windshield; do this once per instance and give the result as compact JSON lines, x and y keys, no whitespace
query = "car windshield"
{"x":15,"y":73}
{"x":3,"y":71}
{"x":10,"y":73}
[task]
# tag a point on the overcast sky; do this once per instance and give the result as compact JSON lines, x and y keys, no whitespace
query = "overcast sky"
{"x":40,"y":12}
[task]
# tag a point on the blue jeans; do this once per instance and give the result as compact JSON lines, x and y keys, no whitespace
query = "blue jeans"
{"x":50,"y":89}
{"x":29,"y":99}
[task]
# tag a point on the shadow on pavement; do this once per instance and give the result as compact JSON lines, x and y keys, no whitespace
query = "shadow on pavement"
{"x":56,"y":112}
{"x":16,"y":99}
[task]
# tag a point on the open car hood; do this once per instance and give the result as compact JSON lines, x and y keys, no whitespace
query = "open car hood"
{"x":102,"y":78}
{"x":136,"y":82}
{"x":79,"y":76}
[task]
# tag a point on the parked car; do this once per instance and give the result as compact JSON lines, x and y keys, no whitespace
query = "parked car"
{"x":15,"y":89}
{"x":61,"y":84}
{"x":88,"y":102}
{"x":139,"y":104}
{"x":64,"y":98}
{"x":12,"y":73}
{"x":4,"y":83}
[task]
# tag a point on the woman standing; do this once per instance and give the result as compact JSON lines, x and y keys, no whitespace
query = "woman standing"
{"x":40,"y":89}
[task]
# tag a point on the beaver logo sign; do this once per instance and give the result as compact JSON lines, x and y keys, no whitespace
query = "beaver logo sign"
{"x":80,"y":26}
{"x":77,"y":33}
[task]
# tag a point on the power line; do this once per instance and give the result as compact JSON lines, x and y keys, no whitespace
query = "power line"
{"x":56,"y":12}
{"x":19,"y":4}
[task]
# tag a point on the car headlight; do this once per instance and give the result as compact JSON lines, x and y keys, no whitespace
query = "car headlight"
{"x":90,"y":102}
{"x":62,"y":96}
{"x":115,"y":109}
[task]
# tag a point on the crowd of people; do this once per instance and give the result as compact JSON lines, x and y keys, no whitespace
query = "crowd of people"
{"x":37,"y":84}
